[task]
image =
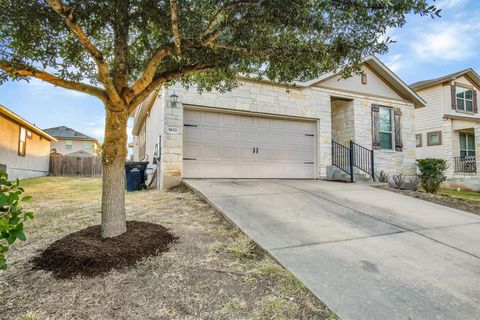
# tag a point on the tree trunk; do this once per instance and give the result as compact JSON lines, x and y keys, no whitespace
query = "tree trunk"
{"x":113,"y":187}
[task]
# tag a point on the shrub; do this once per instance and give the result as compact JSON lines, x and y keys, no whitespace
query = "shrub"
{"x":398,"y":179}
{"x":12,"y":216}
{"x":414,"y":183}
{"x":432,"y":173}
{"x":383,"y":177}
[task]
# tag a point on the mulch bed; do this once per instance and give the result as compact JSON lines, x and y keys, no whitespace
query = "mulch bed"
{"x":86,"y":253}
{"x":445,"y":200}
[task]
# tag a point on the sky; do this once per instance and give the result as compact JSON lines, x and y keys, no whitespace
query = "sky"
{"x":425,"y":48}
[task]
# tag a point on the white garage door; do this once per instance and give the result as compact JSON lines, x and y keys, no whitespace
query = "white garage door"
{"x":219,"y":145}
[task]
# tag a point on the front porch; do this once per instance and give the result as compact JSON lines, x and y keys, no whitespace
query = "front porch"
{"x":465,"y":153}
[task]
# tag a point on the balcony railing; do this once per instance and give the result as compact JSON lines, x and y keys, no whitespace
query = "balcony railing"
{"x":465,"y":164}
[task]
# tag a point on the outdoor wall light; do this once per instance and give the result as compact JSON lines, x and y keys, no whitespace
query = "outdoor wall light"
{"x":173,"y":99}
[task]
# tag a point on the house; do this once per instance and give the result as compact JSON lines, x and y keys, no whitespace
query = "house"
{"x":263,"y":129}
{"x":24,"y":148}
{"x":449,"y":126}
{"x":72,"y":142}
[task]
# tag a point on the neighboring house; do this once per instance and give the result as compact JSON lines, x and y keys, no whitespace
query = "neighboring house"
{"x":449,"y":126}
{"x":268,"y":130}
{"x":72,"y":142}
{"x":24,"y":148}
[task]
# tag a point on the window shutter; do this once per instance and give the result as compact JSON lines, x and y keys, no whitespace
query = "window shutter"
{"x":375,"y":127}
{"x":475,"y":105}
{"x":453,"y":90}
{"x":398,"y":129}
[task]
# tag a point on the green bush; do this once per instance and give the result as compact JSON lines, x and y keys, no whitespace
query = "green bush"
{"x":12,"y":216}
{"x":431,"y":173}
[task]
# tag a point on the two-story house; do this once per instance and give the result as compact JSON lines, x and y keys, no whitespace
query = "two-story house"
{"x":449,"y":126}
{"x":73,"y":142}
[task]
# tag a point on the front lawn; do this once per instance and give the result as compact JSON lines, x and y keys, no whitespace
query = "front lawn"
{"x":461,"y":194}
{"x":461,"y":200}
{"x":213,"y":271}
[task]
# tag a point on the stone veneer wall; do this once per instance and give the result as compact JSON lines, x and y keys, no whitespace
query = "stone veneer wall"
{"x":261,"y":97}
{"x":390,"y":161}
{"x":343,"y":121}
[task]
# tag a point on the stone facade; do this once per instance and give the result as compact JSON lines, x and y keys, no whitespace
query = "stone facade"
{"x":338,"y":113}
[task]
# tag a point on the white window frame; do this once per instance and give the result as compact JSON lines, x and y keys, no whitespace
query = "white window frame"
{"x":466,"y":143}
{"x":463,"y":98}
{"x":391,"y":132}
{"x":68,"y":143}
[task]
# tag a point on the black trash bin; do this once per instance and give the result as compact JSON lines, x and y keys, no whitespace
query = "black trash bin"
{"x":135,"y":175}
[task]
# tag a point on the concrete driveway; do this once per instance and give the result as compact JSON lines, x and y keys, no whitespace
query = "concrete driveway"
{"x":367,"y":253}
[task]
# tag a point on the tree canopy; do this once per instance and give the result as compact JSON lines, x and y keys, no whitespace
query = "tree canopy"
{"x":123,"y":49}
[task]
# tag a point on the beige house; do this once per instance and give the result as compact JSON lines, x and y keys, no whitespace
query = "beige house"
{"x":269,"y":130}
{"x":24,"y":148}
{"x":449,"y":126}
{"x":73,"y":142}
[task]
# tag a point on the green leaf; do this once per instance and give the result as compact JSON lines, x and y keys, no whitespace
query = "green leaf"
{"x":21,"y":235}
{"x":26,"y":198}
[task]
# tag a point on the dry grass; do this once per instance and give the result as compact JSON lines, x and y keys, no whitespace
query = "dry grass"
{"x":212,"y":272}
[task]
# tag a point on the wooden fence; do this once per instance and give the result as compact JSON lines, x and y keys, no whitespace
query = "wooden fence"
{"x":75,"y":166}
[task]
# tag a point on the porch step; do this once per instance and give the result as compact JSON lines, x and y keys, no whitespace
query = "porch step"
{"x":336,"y":174}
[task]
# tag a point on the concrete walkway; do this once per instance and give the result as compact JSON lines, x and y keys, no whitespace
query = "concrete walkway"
{"x":367,"y":253}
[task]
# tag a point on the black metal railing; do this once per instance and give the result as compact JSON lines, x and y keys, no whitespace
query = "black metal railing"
{"x":341,"y":158}
{"x":465,"y":164}
{"x":363,"y":159}
{"x":346,"y":158}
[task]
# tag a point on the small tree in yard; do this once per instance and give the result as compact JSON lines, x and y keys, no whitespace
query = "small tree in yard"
{"x":432,"y":173}
{"x":12,"y":216}
{"x":120,"y":51}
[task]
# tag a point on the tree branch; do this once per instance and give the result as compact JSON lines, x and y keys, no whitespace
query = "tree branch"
{"x":209,"y":35}
{"x":121,"y":28}
{"x":103,"y":73}
{"x":175,"y":28}
{"x":150,"y":70}
{"x":29,"y":71}
{"x":160,"y":54}
{"x":164,"y":77}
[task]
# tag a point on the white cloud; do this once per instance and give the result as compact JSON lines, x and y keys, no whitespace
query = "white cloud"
{"x":447,"y":4}
{"x":446,"y":41}
{"x":395,"y":62}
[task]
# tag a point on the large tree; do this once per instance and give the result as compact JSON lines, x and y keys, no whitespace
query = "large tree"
{"x":120,"y":51}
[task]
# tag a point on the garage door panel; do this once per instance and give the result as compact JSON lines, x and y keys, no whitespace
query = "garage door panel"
{"x":223,"y":146}
{"x":245,"y":122}
{"x":231,"y":153}
{"x":192,"y":134}
{"x":212,"y":134}
{"x":230,"y":135}
{"x":192,"y":151}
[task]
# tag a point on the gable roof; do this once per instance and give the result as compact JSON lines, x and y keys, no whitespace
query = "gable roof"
{"x":382,"y":70}
{"x":15,"y":117}
{"x":470,"y":73}
{"x":63,"y":132}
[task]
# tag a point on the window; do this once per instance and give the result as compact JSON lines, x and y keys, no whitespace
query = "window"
{"x":68,"y":145}
{"x":434,"y":138}
{"x":418,"y":138}
{"x":385,"y":128}
{"x":29,"y":134}
{"x":22,"y":142}
{"x":87,"y":145}
{"x":464,"y":99}
{"x":467,"y":145}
